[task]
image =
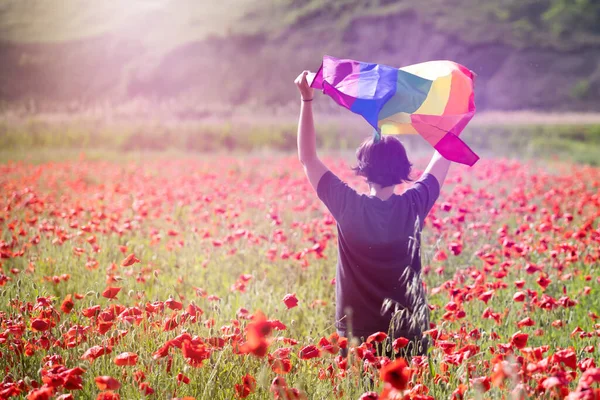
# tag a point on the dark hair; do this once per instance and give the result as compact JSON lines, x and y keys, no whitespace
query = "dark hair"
{"x":384,"y":162}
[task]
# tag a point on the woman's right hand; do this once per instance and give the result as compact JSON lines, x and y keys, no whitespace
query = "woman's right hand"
{"x":306,"y":91}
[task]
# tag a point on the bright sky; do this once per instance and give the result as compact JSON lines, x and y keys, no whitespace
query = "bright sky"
{"x":159,"y":22}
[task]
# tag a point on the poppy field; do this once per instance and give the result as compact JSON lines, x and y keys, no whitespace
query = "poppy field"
{"x":213,"y":278}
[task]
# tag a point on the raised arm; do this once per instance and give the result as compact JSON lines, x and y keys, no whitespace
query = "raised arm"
{"x":307,"y":142}
{"x":438,"y":167}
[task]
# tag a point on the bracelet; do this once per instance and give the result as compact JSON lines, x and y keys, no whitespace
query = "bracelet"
{"x":307,"y":100}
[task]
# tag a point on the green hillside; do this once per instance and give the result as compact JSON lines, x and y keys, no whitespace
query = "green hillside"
{"x":564,"y":24}
{"x":561,"y":24}
{"x":236,"y":52}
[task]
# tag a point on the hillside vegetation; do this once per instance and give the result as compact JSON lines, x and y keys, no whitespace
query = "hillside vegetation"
{"x":532,"y":54}
{"x":560,"y":24}
{"x":563,"y":24}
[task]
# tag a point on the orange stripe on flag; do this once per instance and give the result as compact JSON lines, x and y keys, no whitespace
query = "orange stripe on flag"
{"x":460,"y":91}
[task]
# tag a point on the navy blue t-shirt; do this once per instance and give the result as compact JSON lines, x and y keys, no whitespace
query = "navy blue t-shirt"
{"x":377,"y":241}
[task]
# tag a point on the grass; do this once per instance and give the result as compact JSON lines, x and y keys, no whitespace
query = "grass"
{"x":144,"y":196}
{"x":578,"y":143}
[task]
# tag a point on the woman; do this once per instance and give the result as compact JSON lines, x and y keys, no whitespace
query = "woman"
{"x":378,"y":285}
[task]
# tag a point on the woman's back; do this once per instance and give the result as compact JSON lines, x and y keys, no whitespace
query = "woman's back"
{"x":378,"y":269}
{"x":378,"y":250}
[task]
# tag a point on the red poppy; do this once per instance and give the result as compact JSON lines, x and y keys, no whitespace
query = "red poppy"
{"x":94,"y":352}
{"x":558,"y":323}
{"x":91,"y":311}
{"x":482,"y":384}
{"x":440,"y":256}
{"x":43,"y":393}
{"x":282,"y":352}
{"x":139,"y":376}
{"x":255,"y":344}
{"x":290,"y":300}
{"x":567,"y":357}
{"x":277,"y":385}
{"x":459,"y":392}
{"x":446,"y":346}
{"x":519,"y":283}
{"x":108,"y":396}
{"x":519,"y":297}
{"x":126,"y":358}
{"x":431,"y":332}
{"x":40,"y":325}
{"x":486,"y":296}
{"x":525,"y":322}
{"x":377,"y":337}
{"x":543,"y":281}
{"x":256,"y":333}
{"x":248,"y":385}
{"x":181,"y":378}
{"x":589,"y":377}
{"x":107,"y":383}
{"x":129,"y":260}
{"x":400,"y":343}
{"x":326,"y":345}
{"x":281,"y":366}
{"x":455,"y":248}
{"x":277,"y":325}
{"x":194,"y":352}
{"x":308,"y":352}
{"x":171,"y":322}
{"x":519,"y":340}
{"x":104,"y":327}
{"x":145,"y":388}
{"x":397,"y":374}
{"x":111,"y":292}
{"x":340,"y":341}
{"x":67,"y":304}
{"x":173,"y":304}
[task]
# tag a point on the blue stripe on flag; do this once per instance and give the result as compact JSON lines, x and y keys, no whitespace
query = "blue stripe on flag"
{"x":377,"y":84}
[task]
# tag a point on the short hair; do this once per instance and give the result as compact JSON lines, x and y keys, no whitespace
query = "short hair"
{"x":384,"y":162}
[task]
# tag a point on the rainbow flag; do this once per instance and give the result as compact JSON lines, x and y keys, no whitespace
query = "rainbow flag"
{"x":433,"y":99}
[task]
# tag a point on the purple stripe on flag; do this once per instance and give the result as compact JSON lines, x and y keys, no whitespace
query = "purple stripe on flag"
{"x":339,"y":80}
{"x":317,"y":82}
{"x":464,"y":120}
{"x":454,"y":149}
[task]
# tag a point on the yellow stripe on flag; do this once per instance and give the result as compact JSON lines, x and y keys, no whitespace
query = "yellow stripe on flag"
{"x":437,"y":98}
{"x":397,"y":124}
